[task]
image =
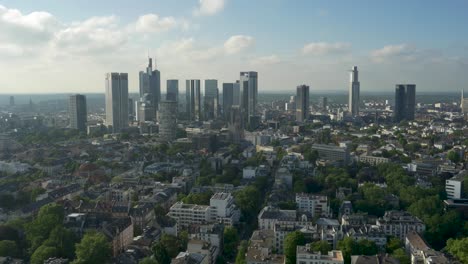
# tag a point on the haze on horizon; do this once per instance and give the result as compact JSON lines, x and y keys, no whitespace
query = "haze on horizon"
{"x":58,"y":46}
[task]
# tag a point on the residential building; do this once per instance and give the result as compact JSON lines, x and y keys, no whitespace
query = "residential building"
{"x":455,"y":185}
{"x":167,"y":120}
{"x":116,"y":101}
{"x":77,"y":112}
{"x":405,"y":102}
{"x":354,"y":92}
{"x":376,"y":259}
{"x":305,"y":256}
{"x":302,"y":103}
{"x":399,"y":223}
{"x":193,"y":100}
{"x":316,"y":205}
{"x":172,"y":90}
{"x":420,"y":252}
{"x":150,"y":83}
{"x":372,"y":160}
{"x":332,"y":153}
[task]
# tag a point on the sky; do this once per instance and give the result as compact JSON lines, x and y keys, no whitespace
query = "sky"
{"x":57,"y":46}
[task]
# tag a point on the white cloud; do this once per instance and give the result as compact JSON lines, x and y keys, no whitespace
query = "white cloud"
{"x":391,"y":52}
{"x":26,"y":29}
{"x":151,"y":23}
{"x":209,"y":7}
{"x":266,"y":60}
{"x":324,"y":48}
{"x":238,"y":43}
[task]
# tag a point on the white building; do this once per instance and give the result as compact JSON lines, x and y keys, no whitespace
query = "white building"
{"x":317,"y":205}
{"x":306,"y":256}
{"x":399,"y":223}
{"x":116,"y":101}
{"x":221,"y":210}
{"x":249,"y":172}
{"x":454,"y":185}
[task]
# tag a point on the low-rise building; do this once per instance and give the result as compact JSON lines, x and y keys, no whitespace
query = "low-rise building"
{"x":306,"y":256}
{"x":454,"y":185}
{"x":399,"y":223}
{"x":316,"y":205}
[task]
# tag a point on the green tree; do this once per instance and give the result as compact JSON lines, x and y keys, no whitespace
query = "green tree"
{"x":240,"y":258}
{"x":350,"y":247}
{"x":64,"y":240}
{"x":249,"y":201}
{"x":401,"y":255}
{"x":231,"y":238}
{"x":93,"y":249}
{"x":393,"y":244}
{"x":458,"y":248}
{"x":160,"y":254}
{"x":320,"y":246}
{"x":453,"y":156}
{"x":43,"y":253}
{"x":291,"y":242}
{"x":8,"y":248}
{"x":172,"y":244}
{"x":148,"y":260}
{"x":48,"y":218}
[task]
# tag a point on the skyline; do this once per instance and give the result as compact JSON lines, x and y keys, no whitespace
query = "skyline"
{"x":289,"y":44}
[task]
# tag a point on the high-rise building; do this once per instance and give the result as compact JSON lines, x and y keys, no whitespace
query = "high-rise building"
{"x":353,"y":99}
{"x":323,"y":103}
{"x":77,"y":112}
{"x":172,"y":90}
{"x":211,"y":99}
{"x":405,"y":102}
{"x":249,"y":90}
{"x":302,"y":103}
{"x":150,"y":83}
{"x":235,"y":125}
{"x":145,"y":110}
{"x":464,"y":105}
{"x":167,"y":120}
{"x":12,"y":100}
{"x":131,"y":109}
{"x":236,"y":97}
{"x":228,"y":99}
{"x":116,"y":101}
{"x":193,"y":100}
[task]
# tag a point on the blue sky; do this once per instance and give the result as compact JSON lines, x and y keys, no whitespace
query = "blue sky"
{"x":71,"y":44}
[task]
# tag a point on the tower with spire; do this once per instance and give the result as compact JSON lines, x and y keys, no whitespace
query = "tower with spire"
{"x":150,"y":84}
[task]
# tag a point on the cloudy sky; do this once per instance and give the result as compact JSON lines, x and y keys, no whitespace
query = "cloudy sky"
{"x":57,"y":46}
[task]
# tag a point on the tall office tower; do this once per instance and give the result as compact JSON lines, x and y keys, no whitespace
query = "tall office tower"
{"x":464,"y":105}
{"x":302,"y":103}
{"x":145,"y":109}
{"x":167,"y":120}
{"x":116,"y":101}
{"x":353,"y":97}
{"x":248,"y":88}
{"x":150,"y":83}
{"x":12,"y":100}
{"x":405,"y":101}
{"x":236,"y":97}
{"x":235,"y":125}
{"x":77,"y":112}
{"x":323,"y":103}
{"x":193,"y":99}
{"x":228,"y":99}
{"x":131,"y":109}
{"x":172,"y":90}
{"x":291,"y":105}
{"x":211,"y":99}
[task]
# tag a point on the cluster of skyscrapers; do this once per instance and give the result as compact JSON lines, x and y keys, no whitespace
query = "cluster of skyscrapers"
{"x":239,"y":102}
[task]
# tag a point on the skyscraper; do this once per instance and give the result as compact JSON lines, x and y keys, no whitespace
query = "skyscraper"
{"x":150,"y":83}
{"x":353,"y":100}
{"x":145,"y":110}
{"x":211,"y":99}
{"x":77,"y":112}
{"x":167,"y":120}
{"x":193,"y":100}
{"x":12,"y":100}
{"x":302,"y":103}
{"x":405,"y":101}
{"x":236,"y":97}
{"x":323,"y":103}
{"x":116,"y":101}
{"x":228,"y":99}
{"x":172,"y":90}
{"x":249,"y":90}
{"x":235,"y":125}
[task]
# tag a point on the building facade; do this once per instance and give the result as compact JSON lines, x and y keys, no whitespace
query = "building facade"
{"x":193,"y":100}
{"x":306,"y":256}
{"x":249,"y":90}
{"x":172,"y":90}
{"x":77,"y":112}
{"x":316,"y":205}
{"x":399,"y":223}
{"x":116,"y":101}
{"x":354,"y":92}
{"x":150,"y":83}
{"x":302,"y":103}
{"x":211,"y":102}
{"x":405,"y":102}
{"x":168,"y":120}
